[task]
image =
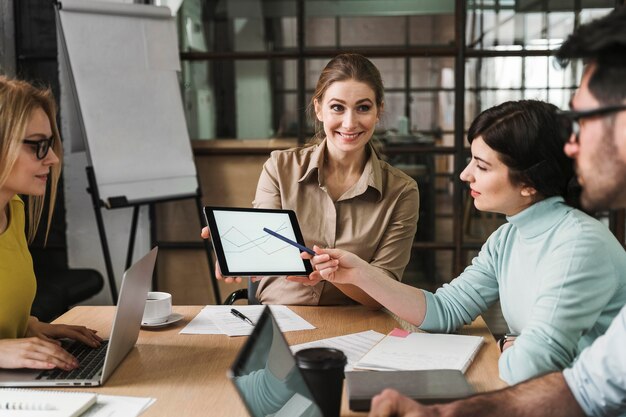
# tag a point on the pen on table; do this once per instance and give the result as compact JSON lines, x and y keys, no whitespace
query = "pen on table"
{"x":242,"y":316}
{"x":291,"y":242}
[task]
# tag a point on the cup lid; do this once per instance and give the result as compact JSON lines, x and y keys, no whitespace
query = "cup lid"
{"x":321,"y":358}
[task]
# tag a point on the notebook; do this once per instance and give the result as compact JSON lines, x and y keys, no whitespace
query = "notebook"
{"x":132,"y":299}
{"x":266,"y":376}
{"x":22,"y":402}
{"x":432,"y":386}
{"x":401,"y":350}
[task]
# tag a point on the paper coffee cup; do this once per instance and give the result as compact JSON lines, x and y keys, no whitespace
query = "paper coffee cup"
{"x":158,"y":307}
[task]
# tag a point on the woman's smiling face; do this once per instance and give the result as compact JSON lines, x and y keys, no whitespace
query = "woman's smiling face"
{"x":349,"y":114}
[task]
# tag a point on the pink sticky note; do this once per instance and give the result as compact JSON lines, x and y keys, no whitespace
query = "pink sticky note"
{"x":399,"y":333}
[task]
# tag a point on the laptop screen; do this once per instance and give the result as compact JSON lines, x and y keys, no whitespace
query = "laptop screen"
{"x":266,"y":375}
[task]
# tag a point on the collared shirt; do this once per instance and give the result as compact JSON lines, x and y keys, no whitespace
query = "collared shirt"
{"x":376,"y":218}
{"x":598,"y":377}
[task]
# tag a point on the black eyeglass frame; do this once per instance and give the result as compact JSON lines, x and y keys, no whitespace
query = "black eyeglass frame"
{"x":571,"y":117}
{"x":43,"y":146}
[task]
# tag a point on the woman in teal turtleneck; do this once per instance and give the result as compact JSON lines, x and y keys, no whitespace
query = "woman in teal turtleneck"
{"x":559,"y":274}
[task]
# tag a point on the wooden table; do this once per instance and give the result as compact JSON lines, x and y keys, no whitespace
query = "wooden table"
{"x":187,"y":373}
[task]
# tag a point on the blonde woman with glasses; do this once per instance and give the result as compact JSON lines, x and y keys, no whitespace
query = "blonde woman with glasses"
{"x":30,"y":165}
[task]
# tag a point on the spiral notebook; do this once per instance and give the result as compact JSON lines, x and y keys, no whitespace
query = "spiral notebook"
{"x":26,"y":402}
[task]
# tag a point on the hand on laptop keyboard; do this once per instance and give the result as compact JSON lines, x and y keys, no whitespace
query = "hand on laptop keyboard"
{"x":35,"y":353}
{"x":91,"y":361}
{"x":50,"y":332}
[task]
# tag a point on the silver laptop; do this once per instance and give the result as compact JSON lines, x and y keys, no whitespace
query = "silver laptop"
{"x":97,"y":365}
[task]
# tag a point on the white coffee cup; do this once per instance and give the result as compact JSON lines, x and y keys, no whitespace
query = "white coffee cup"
{"x":158,"y":307}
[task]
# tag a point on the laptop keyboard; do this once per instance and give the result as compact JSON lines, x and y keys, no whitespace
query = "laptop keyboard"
{"x":91,"y":361}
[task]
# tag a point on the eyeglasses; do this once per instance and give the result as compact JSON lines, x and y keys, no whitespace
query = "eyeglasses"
{"x":570,"y":120}
{"x":42,"y":146}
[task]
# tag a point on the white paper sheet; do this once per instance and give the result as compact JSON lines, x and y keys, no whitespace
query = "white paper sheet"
{"x":354,"y":345}
{"x":219,"y":320}
{"x":118,"y":406}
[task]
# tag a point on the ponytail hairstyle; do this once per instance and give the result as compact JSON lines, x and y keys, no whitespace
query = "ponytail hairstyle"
{"x":346,"y":67}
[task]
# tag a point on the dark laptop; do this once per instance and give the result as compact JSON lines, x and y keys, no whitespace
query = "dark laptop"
{"x":266,"y":376}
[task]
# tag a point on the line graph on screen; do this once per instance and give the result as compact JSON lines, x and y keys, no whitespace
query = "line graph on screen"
{"x":236,"y":241}
{"x":248,"y":248}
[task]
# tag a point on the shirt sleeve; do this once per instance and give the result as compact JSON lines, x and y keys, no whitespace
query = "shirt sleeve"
{"x":265,"y":393}
{"x":468,"y":295}
{"x":394,"y":248}
{"x":598,"y":377}
{"x":268,"y":189}
{"x":564,"y":310}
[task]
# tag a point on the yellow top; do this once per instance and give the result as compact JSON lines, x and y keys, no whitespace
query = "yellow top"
{"x":17,"y":277}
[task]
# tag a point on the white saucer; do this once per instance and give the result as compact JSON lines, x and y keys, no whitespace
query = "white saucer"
{"x":173,"y":318}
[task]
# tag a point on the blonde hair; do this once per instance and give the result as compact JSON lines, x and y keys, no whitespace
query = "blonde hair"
{"x":18,"y":101}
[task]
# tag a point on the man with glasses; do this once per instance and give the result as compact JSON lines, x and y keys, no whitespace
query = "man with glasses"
{"x":595,"y":129}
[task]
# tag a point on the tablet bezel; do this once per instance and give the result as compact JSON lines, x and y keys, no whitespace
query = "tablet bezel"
{"x":219,"y":249}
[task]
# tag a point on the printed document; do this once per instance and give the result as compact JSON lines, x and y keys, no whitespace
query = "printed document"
{"x":218,"y":319}
{"x":354,"y":345}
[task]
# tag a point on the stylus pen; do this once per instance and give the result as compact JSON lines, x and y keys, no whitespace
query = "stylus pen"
{"x":242,"y":316}
{"x":291,"y":242}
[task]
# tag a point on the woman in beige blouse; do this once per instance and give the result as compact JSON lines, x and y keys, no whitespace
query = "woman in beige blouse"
{"x":344,"y":195}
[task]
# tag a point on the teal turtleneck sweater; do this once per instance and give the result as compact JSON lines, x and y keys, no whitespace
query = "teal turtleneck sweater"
{"x":560,"y":276}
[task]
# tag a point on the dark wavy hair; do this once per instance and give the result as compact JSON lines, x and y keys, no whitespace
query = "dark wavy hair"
{"x":603,"y":43}
{"x":525,"y":134}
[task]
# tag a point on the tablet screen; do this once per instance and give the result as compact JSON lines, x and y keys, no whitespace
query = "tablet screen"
{"x":243,"y":248}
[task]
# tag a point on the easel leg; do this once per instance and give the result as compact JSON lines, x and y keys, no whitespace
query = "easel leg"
{"x":131,"y":239}
{"x":95,"y":199}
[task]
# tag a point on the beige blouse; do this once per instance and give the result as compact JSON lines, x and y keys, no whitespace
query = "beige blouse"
{"x":376,"y":219}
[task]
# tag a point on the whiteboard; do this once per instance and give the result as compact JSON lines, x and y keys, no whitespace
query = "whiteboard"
{"x":124,"y":63}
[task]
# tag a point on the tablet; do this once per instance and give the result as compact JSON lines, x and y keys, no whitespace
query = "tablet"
{"x":243,"y":248}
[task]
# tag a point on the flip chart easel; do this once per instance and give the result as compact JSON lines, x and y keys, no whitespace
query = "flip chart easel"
{"x":123,"y":65}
